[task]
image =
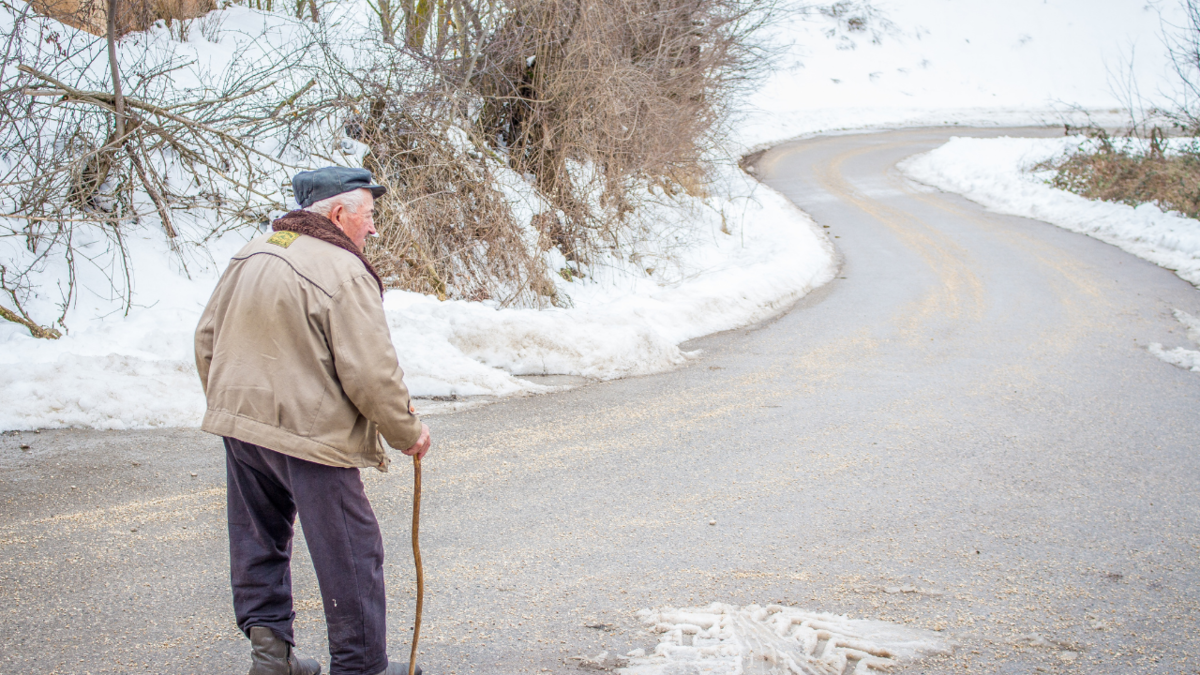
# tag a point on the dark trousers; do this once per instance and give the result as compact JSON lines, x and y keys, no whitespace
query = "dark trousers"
{"x":267,"y":490}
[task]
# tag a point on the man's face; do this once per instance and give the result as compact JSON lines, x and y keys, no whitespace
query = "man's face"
{"x":357,"y":226}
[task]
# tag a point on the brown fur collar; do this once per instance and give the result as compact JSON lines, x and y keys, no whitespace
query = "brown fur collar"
{"x":320,"y":227}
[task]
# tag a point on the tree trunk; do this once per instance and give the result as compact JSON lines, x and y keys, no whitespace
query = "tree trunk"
{"x":385,"y":21}
{"x":118,"y":98}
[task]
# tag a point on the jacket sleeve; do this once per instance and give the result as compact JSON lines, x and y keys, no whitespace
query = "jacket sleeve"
{"x":366,"y":363}
{"x":205,"y":332}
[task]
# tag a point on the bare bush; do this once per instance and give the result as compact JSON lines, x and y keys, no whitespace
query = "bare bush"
{"x":596,"y":97}
{"x":1183,"y":43}
{"x":1131,"y":172}
{"x":592,"y":101}
{"x":1139,"y":164}
{"x":446,"y":227}
{"x":87,"y":146}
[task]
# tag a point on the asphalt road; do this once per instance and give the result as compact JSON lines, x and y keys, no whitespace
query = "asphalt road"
{"x":968,"y":410}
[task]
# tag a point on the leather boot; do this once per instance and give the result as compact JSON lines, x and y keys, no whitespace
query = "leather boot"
{"x":272,"y":655}
{"x":397,"y":669}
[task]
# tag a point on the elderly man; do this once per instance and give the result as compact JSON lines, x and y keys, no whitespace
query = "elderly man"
{"x":301,"y":378}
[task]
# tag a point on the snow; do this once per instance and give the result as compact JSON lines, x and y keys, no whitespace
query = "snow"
{"x":997,"y":173}
{"x":721,"y":261}
{"x":1188,"y":359}
{"x":626,"y":322}
{"x":112,"y":371}
{"x":949,"y":62}
{"x":729,"y":640}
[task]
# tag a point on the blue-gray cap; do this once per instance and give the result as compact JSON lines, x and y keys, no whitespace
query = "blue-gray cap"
{"x":313,"y":186}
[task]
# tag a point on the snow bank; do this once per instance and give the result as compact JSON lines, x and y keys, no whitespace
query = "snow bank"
{"x":625,"y":321}
{"x":742,"y":255}
{"x":112,"y":371}
{"x":996,"y":173}
{"x":729,"y":640}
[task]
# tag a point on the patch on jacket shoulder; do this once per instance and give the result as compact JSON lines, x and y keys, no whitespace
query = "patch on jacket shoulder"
{"x":283,"y":238}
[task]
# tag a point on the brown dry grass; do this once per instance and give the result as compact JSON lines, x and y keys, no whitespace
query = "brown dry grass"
{"x":1115,"y":172}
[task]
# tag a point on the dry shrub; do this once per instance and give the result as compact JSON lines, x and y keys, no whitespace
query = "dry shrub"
{"x":589,"y":96}
{"x":1142,"y":167}
{"x":592,"y":101}
{"x":1128,"y":174}
{"x":445,"y":228}
{"x":185,"y":158}
{"x":132,"y":15}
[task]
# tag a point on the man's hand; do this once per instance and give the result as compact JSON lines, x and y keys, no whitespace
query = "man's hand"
{"x":421,"y":446}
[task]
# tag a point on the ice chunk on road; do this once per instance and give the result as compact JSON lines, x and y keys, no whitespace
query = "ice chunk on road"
{"x":729,"y":640}
{"x":1184,"y":358}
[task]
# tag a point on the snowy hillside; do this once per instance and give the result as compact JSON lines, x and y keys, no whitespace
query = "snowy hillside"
{"x":938,"y":62}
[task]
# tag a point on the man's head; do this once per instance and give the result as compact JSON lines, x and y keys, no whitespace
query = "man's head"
{"x":344,"y":195}
{"x":353,"y":212}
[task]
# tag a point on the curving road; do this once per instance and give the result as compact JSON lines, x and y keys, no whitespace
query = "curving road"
{"x":967,"y":412}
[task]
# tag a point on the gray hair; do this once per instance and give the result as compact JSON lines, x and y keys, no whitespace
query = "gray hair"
{"x":352,"y":201}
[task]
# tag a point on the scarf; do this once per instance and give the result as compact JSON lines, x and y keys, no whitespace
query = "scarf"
{"x":319,"y":227}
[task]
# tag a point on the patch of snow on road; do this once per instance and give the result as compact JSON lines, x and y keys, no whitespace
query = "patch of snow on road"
{"x":728,"y":640}
{"x":996,"y":173}
{"x":1188,"y":359}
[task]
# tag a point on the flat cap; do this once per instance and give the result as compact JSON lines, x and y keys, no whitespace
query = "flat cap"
{"x":313,"y":186}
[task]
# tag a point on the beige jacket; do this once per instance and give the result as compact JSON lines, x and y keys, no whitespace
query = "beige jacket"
{"x":295,"y":355}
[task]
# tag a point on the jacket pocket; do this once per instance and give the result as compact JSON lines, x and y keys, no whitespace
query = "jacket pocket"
{"x":316,"y":416}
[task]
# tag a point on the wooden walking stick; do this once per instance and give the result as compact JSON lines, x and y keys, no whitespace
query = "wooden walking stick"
{"x":412,"y":658}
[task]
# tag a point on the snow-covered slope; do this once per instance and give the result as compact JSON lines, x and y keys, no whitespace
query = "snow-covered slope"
{"x":704,"y":264}
{"x":938,"y":62}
